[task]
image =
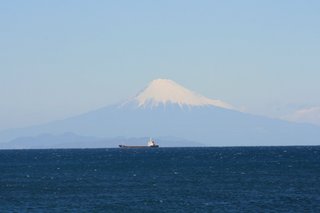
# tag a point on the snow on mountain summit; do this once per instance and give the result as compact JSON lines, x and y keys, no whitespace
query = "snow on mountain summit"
{"x":165,"y":91}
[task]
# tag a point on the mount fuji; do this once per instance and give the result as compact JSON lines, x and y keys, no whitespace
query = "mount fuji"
{"x":170,"y":113}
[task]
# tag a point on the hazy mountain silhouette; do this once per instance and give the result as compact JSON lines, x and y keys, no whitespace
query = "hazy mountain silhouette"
{"x":166,"y":109}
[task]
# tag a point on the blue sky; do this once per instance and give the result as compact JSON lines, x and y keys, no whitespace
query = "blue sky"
{"x":61,"y":58}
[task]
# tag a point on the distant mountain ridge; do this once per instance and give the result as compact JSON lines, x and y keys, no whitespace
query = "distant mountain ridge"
{"x":70,"y":140}
{"x":166,"y":109}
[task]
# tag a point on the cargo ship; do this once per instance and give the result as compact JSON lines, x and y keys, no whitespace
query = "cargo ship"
{"x":151,"y":144}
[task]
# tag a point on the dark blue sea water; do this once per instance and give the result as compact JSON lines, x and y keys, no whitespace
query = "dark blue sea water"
{"x":252,"y":179}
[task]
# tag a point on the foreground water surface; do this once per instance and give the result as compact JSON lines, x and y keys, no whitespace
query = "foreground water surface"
{"x":241,"y":179}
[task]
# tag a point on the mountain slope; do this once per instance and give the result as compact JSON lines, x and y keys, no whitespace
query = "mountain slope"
{"x":165,"y":91}
{"x":177,"y":112}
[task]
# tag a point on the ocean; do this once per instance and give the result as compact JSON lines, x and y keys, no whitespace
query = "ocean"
{"x":234,"y":179}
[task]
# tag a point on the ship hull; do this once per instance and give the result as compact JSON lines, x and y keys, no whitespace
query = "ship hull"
{"x":138,"y":147}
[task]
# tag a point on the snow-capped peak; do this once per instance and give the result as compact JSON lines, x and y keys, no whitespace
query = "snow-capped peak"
{"x":164,"y":91}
